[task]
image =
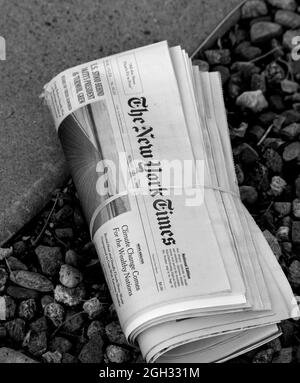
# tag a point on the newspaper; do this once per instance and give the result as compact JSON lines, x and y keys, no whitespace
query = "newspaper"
{"x":146,"y":138}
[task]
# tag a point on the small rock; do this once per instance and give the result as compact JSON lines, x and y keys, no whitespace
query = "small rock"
{"x":27,"y":309}
{"x":267,"y":118}
{"x":256,"y":132}
{"x":296,"y":107}
{"x":291,"y":152}
{"x":285,"y":356}
{"x":277,"y":185}
{"x":274,"y":73}
{"x":202,"y":65}
{"x":46,"y":299}
{"x":224,"y":73}
{"x":69,"y":297}
{"x":264,"y":356}
{"x":117,"y":354}
{"x":114,"y":333}
{"x":276,"y":102}
{"x":283,"y":233}
{"x":238,"y":132}
{"x":244,"y":71}
{"x":60,"y":344}
{"x":296,"y":208}
{"x":246,"y":51}
{"x":15,"y":264}
{"x":294,"y":272}
{"x":291,"y":116}
{"x":290,"y":132}
{"x":254,"y":8}
{"x":293,"y":98}
{"x":55,"y":312}
{"x":275,"y":345}
{"x":288,"y":86}
{"x":246,"y":153}
{"x":16,"y":329}
{"x":218,"y":56}
{"x":69,"y":276}
{"x":289,"y":5}
{"x":50,"y":259}
{"x":282,"y":208}
{"x":233,"y":88}
{"x":273,"y":243}
{"x":52,"y":357}
{"x":39,"y":325}
{"x":73,"y":259}
{"x":68,"y":358}
{"x":288,"y":19}
{"x":248,"y":194}
{"x":31,"y":280}
{"x":19,"y":248}
{"x":73,"y":321}
{"x":287,"y":221}
{"x":253,"y":100}
{"x":5,"y":252}
{"x":263,"y":31}
{"x":271,"y":142}
{"x":64,"y":233}
{"x":92,"y":351}
{"x":7,"y":307}
{"x":8,"y":355}
{"x":22,"y":293}
{"x":37,"y":343}
{"x":96,"y":328}
{"x":288,"y":36}
{"x":93,"y":307}
{"x":258,"y":82}
{"x":3,"y":278}
{"x":273,"y":160}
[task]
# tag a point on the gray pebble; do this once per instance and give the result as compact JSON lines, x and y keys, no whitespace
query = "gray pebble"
{"x":52,"y":357}
{"x":69,"y":276}
{"x":94,"y":308}
{"x":60,"y":344}
{"x":16,"y":329}
{"x":96,"y":328}
{"x":115,"y":333}
{"x":254,"y":8}
{"x":69,"y":297}
{"x":263,"y":31}
{"x":27,"y":309}
{"x":50,"y":259}
{"x":117,"y":354}
{"x":55,"y":312}
{"x":92,"y":351}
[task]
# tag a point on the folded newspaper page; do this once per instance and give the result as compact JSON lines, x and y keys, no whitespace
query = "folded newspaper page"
{"x":146,"y":138}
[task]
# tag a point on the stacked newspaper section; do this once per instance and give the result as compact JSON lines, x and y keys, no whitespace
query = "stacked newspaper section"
{"x":190,"y":273}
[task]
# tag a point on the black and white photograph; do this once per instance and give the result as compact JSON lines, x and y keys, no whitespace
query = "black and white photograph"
{"x":150,"y":186}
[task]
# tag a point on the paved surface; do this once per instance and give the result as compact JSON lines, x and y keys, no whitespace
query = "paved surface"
{"x":44,"y":37}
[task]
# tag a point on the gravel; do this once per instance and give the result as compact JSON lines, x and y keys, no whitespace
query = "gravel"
{"x":57,"y":307}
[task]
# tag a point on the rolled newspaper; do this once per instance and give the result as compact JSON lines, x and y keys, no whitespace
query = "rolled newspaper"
{"x":146,"y":138}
